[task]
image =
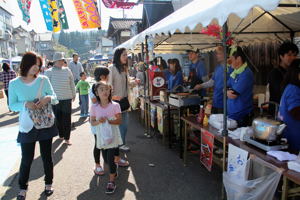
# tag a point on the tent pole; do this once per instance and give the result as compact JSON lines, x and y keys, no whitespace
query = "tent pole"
{"x":224,"y":39}
{"x":224,"y":131}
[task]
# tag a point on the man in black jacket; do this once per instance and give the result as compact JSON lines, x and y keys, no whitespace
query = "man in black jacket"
{"x":287,"y":54}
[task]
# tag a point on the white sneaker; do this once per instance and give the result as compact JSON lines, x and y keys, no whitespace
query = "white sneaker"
{"x":124,"y":148}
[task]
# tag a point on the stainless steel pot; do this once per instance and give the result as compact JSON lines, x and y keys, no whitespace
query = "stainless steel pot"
{"x":267,"y":129}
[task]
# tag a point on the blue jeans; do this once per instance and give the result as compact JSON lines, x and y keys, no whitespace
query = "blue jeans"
{"x":84,"y":106}
{"x":123,"y":126}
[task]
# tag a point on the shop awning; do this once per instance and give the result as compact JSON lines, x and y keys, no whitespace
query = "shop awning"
{"x":249,"y":20}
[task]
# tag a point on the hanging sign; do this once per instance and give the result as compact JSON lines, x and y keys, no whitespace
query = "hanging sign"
{"x":47,"y":14}
{"x":207,"y":147}
{"x":54,"y":14}
{"x":25,"y":8}
{"x":118,"y":4}
{"x":62,"y":15}
{"x":88,"y":13}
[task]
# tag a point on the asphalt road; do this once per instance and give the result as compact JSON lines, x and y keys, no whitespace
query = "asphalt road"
{"x":74,"y":177}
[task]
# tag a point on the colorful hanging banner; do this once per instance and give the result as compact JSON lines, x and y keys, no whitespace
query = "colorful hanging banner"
{"x":54,"y":14}
{"x":47,"y":14}
{"x":25,"y":8}
{"x":62,"y":15}
{"x":88,"y":13}
{"x":118,"y":4}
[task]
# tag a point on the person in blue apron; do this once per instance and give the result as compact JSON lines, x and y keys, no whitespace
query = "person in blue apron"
{"x":240,"y":87}
{"x":197,"y":65}
{"x":289,"y":109}
{"x":176,"y":77}
{"x":217,"y":81}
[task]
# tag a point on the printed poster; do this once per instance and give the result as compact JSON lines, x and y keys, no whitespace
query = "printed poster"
{"x":237,"y":159}
{"x":207,"y":147}
{"x":153,"y":115}
{"x":160,"y":119}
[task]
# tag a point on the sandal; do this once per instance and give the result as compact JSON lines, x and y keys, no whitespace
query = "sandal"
{"x":122,"y":163}
{"x":99,"y":171}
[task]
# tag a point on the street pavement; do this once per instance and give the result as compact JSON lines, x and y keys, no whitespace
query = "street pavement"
{"x":74,"y":177}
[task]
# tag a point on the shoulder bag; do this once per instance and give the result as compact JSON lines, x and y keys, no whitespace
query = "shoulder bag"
{"x":43,"y":117}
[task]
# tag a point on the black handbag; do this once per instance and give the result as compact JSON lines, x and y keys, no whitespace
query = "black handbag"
{"x":124,"y":104}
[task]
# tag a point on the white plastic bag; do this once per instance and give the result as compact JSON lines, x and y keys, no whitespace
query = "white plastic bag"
{"x":261,"y":183}
{"x":104,"y":135}
{"x":25,"y":122}
{"x":216,"y":120}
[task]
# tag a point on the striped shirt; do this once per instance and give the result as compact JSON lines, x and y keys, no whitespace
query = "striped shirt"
{"x":62,"y":81}
{"x":5,"y":77}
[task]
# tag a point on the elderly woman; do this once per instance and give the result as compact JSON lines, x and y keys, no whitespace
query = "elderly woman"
{"x":240,"y":85}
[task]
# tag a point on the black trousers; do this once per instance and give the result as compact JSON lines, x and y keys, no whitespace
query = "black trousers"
{"x":6,"y":93}
{"x":97,"y":152}
{"x":27,"y":158}
{"x":63,"y":112}
{"x":109,"y":159}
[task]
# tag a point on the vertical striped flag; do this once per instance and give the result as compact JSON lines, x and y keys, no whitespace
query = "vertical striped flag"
{"x":54,"y":14}
{"x":25,"y":8}
{"x":88,"y":13}
{"x":62,"y":15}
{"x":47,"y":14}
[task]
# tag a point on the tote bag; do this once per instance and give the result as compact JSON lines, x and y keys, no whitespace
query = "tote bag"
{"x":43,"y":117}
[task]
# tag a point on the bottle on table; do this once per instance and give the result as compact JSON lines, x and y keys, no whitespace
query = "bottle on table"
{"x":201,"y":115}
{"x":205,"y":120}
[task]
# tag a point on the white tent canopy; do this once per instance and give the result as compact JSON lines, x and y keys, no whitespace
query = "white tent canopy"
{"x":248,"y":20}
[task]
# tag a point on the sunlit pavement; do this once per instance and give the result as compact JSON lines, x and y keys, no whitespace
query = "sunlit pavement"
{"x":9,"y":151}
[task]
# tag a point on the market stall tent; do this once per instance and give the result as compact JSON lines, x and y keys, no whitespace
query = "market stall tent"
{"x":248,"y":20}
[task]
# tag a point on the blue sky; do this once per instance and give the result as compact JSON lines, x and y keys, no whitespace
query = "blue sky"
{"x":37,"y":20}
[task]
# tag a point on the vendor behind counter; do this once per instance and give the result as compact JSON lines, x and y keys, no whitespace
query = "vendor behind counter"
{"x":289,"y":110}
{"x":240,"y":87}
{"x":176,"y":77}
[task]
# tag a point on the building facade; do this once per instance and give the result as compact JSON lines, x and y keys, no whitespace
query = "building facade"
{"x":44,"y":45}
{"x":7,"y":45}
{"x":24,"y":40}
{"x":119,"y":29}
